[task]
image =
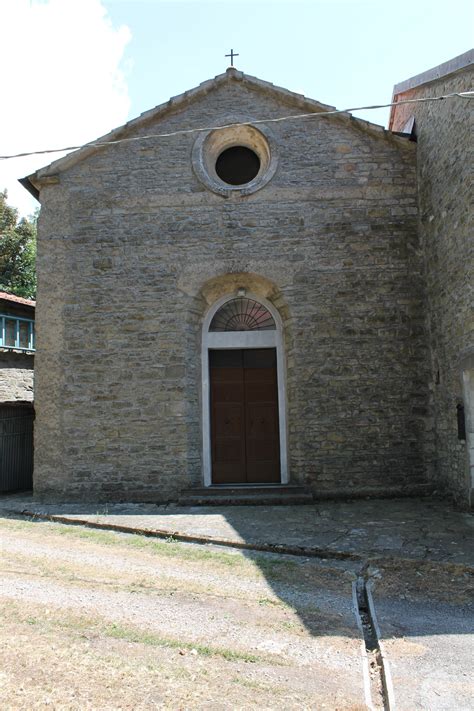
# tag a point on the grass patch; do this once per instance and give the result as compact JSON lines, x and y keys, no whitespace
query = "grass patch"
{"x":105,"y":538}
{"x":170,"y":548}
{"x":15,"y":524}
{"x":256,"y":685}
{"x":86,"y":626}
{"x":272,"y":568}
{"x":130,"y":634}
{"x":268,"y":602}
{"x":160,"y":584}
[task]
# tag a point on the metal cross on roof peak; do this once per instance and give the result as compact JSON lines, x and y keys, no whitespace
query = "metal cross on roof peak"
{"x":232,"y":55}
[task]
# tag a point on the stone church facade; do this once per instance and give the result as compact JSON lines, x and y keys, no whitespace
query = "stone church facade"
{"x":235,"y":307}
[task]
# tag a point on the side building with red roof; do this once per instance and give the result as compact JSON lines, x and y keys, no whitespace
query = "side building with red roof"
{"x":17,"y":347}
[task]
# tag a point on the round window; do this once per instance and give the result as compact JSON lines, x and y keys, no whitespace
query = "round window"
{"x":237,"y":165}
{"x":236,"y":159}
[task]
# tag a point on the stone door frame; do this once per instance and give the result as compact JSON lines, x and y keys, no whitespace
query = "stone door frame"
{"x":241,"y":340}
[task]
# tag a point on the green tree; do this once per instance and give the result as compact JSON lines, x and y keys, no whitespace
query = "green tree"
{"x":17,"y":251}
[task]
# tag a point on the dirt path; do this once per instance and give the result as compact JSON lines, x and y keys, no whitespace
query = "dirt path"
{"x":99,"y":620}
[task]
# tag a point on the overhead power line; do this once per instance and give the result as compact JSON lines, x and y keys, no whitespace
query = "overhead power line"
{"x":184,"y":131}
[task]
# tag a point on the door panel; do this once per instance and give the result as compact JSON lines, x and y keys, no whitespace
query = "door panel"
{"x":244,"y":416}
{"x":259,"y":358}
{"x":261,"y":420}
{"x":228,"y":391}
{"x":229,"y":419}
{"x":227,"y":416}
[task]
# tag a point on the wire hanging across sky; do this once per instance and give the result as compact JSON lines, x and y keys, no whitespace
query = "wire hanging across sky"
{"x":313,"y":114}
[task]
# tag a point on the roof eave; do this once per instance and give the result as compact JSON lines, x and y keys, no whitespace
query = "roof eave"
{"x":460,"y":63}
{"x":26,"y":182}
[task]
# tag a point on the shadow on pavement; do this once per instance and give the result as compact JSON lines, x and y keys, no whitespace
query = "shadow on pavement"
{"x":411,"y":547}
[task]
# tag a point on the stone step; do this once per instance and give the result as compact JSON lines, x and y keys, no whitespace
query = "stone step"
{"x":245,"y":495}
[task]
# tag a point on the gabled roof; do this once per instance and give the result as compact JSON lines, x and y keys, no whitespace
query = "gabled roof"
{"x":16,"y":299}
{"x":33,"y":181}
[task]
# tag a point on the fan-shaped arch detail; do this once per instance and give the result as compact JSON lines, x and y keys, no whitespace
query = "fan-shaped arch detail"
{"x":242,"y":314}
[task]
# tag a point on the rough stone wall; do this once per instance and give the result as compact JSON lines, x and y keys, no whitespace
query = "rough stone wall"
{"x":444,"y":130}
{"x":16,"y":376}
{"x":129,"y":242}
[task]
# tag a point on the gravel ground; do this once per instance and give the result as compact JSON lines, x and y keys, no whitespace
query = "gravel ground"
{"x":426,"y":618}
{"x":100,"y":620}
{"x":95,"y":619}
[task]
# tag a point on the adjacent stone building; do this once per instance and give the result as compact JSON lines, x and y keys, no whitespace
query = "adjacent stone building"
{"x":237,"y":308}
{"x":443,"y":131}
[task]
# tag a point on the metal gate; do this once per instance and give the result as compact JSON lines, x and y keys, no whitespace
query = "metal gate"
{"x":16,"y":447}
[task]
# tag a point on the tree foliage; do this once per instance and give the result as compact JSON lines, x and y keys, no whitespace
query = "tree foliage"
{"x":17,"y":251}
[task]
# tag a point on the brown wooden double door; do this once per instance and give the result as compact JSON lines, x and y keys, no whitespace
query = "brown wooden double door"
{"x":244,"y":416}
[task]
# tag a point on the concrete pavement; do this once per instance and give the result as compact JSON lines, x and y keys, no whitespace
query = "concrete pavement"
{"x":411,"y":529}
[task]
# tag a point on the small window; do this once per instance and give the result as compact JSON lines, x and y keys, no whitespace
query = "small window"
{"x":237,"y":165}
{"x":242,"y":314}
{"x":461,"y":421}
{"x":17,"y":333}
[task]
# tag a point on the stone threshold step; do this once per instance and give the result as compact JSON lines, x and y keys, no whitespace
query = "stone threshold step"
{"x":243,"y":495}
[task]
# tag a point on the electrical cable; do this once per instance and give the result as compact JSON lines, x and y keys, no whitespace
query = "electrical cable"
{"x":313,"y":114}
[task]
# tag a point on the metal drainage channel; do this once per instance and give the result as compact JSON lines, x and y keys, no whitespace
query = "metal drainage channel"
{"x":377,"y":679}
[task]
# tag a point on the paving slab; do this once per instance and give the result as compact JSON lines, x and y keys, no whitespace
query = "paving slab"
{"x":412,"y":529}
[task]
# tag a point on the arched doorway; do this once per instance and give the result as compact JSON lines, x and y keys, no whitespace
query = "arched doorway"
{"x":243,"y":393}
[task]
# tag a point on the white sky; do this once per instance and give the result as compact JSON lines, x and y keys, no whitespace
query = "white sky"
{"x":72,"y":70}
{"x":61,"y":82}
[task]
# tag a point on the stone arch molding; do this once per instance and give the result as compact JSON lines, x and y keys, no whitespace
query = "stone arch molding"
{"x":243,"y":339}
{"x":228,"y":284}
{"x":236,"y":130}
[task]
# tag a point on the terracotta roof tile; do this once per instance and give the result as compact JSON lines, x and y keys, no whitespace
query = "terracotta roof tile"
{"x":17,"y":299}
